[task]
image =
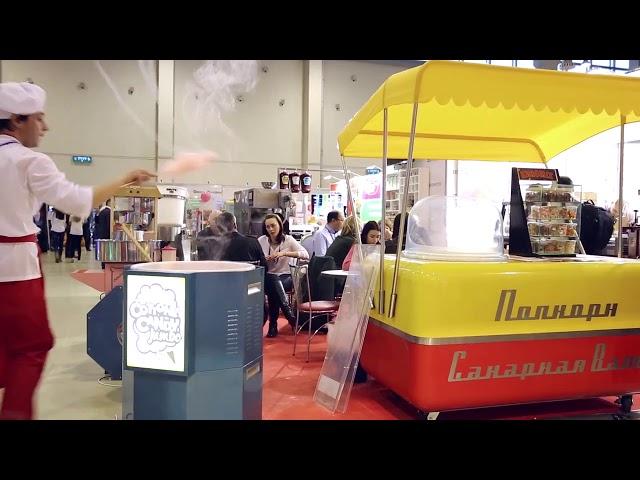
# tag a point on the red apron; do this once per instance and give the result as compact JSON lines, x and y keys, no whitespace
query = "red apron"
{"x":25,"y":340}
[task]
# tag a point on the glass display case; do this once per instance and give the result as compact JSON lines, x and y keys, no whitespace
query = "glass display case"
{"x":551,"y":214}
{"x":552,"y":218}
{"x":455,"y":229}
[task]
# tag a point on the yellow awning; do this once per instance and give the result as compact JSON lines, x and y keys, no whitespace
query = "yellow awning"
{"x":471,"y":111}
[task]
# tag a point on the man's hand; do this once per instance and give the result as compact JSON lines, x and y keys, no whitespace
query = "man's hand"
{"x":138,"y":176}
{"x":103,"y":192}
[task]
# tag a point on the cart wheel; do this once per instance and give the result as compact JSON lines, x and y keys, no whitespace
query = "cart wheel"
{"x":626,"y":402}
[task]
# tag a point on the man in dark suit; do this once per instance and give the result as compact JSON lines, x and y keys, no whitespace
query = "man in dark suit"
{"x":208,"y":241}
{"x":86,"y":233}
{"x":103,"y":223}
{"x":43,"y":225}
{"x":235,"y":247}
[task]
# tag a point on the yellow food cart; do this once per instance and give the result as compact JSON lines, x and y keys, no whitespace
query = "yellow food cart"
{"x":448,"y":335}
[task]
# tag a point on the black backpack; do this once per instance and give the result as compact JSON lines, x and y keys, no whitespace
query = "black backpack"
{"x":596,"y":227}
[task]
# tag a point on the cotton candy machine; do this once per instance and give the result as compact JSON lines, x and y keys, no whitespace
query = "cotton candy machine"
{"x":171,"y":211}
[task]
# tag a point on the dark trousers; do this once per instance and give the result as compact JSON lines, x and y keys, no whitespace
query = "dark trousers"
{"x":43,"y":240}
{"x":73,"y":245}
{"x":57,"y":241}
{"x":86,"y":233}
{"x":275,"y":301}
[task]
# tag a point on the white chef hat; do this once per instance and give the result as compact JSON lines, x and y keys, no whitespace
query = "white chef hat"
{"x":21,"y":99}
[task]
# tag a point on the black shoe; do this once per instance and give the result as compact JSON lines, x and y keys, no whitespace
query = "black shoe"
{"x":273,"y":330}
{"x":288,"y":314}
{"x":361,"y":375}
{"x":282,"y":300}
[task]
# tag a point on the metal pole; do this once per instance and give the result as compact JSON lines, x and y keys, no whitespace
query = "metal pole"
{"x":346,"y":172}
{"x":620,"y":192}
{"x":351,"y":206}
{"x":157,"y":145}
{"x":456,"y":167}
{"x":403,"y":212}
{"x":381,"y":292}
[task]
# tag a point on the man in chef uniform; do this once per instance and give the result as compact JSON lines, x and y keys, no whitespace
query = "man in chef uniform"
{"x":27,"y":179}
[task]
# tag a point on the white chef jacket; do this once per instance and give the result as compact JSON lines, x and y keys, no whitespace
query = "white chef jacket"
{"x":28,"y":179}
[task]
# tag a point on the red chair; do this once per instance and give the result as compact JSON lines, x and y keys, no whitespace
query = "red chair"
{"x":314,"y":309}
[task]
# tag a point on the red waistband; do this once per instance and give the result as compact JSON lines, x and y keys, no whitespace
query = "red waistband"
{"x":33,"y":238}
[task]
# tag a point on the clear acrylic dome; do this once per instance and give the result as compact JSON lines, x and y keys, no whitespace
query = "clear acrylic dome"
{"x":455,"y":229}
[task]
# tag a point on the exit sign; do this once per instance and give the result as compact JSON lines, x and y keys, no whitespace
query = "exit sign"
{"x":81,"y":159}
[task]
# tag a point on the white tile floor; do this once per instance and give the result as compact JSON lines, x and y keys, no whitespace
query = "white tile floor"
{"x":69,"y":388}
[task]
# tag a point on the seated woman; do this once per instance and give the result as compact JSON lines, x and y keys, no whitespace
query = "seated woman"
{"x":370,"y":236}
{"x":388,"y":228}
{"x":278,"y":248}
{"x":343,"y":242}
{"x":392,"y":245}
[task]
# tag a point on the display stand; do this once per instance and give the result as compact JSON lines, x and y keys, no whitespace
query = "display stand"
{"x":546,"y":220}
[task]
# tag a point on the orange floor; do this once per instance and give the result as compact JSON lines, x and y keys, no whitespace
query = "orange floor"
{"x":289,"y":384}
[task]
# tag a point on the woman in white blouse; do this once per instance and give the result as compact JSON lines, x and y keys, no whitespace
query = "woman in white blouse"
{"x":279,"y":250}
{"x":58,"y":227}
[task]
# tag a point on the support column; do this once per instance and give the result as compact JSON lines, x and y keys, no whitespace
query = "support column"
{"x":165,"y":112}
{"x":311,"y":154}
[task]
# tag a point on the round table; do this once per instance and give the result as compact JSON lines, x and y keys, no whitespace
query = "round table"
{"x":337,"y":273}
